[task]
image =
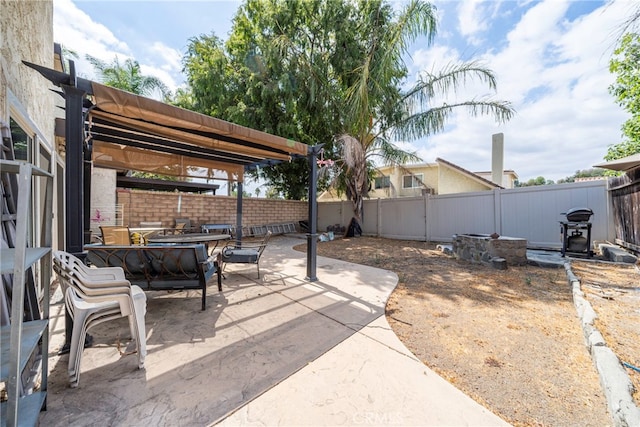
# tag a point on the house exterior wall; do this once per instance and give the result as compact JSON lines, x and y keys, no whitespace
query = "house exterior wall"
{"x":429,"y":178}
{"x":151,"y":206}
{"x":331,"y":195}
{"x":450,"y":181}
{"x":509,"y":178}
{"x":26,"y":33}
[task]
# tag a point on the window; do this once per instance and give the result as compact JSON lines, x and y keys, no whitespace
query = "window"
{"x":412,"y":181}
{"x":382,"y":182}
{"x":22,"y":142}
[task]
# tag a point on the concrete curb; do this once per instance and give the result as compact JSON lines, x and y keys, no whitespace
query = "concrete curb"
{"x":614,"y":379}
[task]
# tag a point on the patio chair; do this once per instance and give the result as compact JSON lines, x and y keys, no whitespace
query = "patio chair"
{"x":115,"y":235}
{"x":244,"y":252}
{"x":183,"y":225}
{"x":98,"y":282}
{"x":93,"y":297}
{"x":180,"y":227}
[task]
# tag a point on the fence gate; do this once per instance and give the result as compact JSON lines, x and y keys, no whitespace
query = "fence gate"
{"x":625,"y":198}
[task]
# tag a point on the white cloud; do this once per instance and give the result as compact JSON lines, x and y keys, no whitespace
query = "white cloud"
{"x":170,"y":58}
{"x":471,"y":18}
{"x":77,"y":31}
{"x":475,"y":18}
{"x":555,"y":72}
{"x":73,"y":26}
{"x":434,"y":58}
{"x":167,"y":64}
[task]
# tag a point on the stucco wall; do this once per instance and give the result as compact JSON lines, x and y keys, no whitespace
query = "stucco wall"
{"x":508,"y":178}
{"x":26,"y":33}
{"x":450,"y":181}
{"x":429,"y":178}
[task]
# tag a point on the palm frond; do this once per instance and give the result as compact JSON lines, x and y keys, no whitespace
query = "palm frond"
{"x":390,"y":154}
{"x":433,"y":120}
{"x":450,"y":79}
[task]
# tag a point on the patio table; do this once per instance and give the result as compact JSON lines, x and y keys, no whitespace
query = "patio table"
{"x":206,"y":238}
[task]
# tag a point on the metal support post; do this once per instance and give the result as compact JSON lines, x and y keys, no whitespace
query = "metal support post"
{"x":74,"y":179}
{"x":239,"y":212}
{"x":312,"y":236}
{"x":74,"y":169}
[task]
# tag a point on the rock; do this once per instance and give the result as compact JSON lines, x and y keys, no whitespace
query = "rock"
{"x":499,"y":263}
{"x":617,"y":254}
{"x":446,"y":249}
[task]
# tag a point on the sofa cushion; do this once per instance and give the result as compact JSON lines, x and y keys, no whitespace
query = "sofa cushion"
{"x":240,"y":255}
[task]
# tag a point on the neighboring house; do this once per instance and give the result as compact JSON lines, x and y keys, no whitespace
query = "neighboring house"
{"x":441,"y":177}
{"x":509,"y":178}
{"x":590,"y":178}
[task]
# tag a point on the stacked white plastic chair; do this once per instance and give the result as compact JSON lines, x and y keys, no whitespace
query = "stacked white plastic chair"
{"x":94,"y":296}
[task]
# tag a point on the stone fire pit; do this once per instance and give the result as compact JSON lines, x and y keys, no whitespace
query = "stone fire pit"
{"x":485,"y":249}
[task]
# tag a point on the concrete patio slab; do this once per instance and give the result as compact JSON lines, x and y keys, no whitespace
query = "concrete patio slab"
{"x":278,"y":350}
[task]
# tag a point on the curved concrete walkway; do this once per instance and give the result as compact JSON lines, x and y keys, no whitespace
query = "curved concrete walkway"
{"x":370,"y":378}
{"x":275,"y":351}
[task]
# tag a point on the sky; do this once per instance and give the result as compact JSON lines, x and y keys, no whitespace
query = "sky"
{"x":551,"y":60}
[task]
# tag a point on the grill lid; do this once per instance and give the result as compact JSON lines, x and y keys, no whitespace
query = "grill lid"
{"x":579,"y":214}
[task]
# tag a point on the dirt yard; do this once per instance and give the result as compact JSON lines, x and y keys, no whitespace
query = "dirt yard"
{"x":510,"y":339}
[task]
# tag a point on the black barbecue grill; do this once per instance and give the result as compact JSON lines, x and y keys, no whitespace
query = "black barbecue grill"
{"x":572,"y":238}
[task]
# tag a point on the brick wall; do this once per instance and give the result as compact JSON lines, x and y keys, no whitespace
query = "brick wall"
{"x":139,"y":205}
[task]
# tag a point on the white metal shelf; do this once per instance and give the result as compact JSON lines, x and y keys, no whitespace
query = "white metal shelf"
{"x":13,"y":166}
{"x":21,"y":341}
{"x":28,"y":409}
{"x":31,"y":333}
{"x":8,"y":258}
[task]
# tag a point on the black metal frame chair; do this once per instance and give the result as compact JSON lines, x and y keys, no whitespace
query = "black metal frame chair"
{"x":236,"y":252}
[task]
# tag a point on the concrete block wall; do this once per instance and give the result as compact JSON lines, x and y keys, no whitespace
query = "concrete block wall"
{"x":160,"y":206}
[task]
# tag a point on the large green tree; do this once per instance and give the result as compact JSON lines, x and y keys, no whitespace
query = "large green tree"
{"x":283,"y":70}
{"x":332,"y":72}
{"x":626,"y":66}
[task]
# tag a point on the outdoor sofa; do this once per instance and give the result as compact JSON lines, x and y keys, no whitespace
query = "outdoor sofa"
{"x":160,"y":267}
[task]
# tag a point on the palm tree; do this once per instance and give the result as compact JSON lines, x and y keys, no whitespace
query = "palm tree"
{"x":378,"y":110}
{"x":128,"y":76}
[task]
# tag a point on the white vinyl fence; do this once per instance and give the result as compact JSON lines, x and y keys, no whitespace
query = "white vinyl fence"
{"x":532,"y":213}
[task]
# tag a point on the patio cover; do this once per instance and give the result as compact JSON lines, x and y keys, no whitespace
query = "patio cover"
{"x":623,"y":164}
{"x":138,"y":133}
{"x":127,"y":131}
